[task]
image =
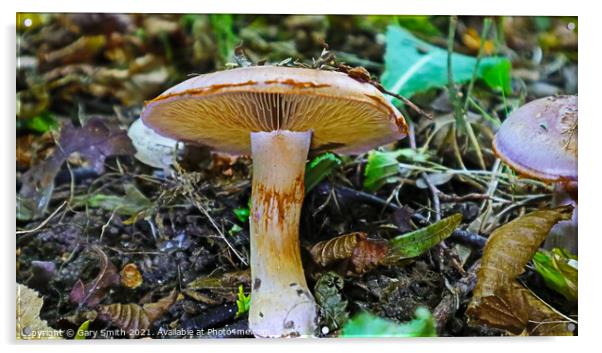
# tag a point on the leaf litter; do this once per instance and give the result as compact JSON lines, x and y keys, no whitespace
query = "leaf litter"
{"x":185,"y":232}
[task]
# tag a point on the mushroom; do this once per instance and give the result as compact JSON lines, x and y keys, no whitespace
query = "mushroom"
{"x":539,"y":140}
{"x":151,"y":148}
{"x":277,"y":114}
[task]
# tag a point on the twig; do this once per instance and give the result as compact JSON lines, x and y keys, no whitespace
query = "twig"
{"x":432,"y":188}
{"x":406,"y":101}
{"x":219,"y":231}
{"x":464,"y":236}
{"x":190,"y":191}
{"x":105,"y":226}
{"x":468,"y":197}
{"x":434,"y":196}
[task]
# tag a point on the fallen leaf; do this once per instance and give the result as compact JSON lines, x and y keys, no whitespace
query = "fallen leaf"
{"x":336,"y":249}
{"x":29,"y":324}
{"x":415,"y":243}
{"x":368,"y":254}
{"x":90,"y":294}
{"x":413,"y":66}
{"x":131,"y":204}
{"x":133,"y":318}
{"x":222,"y":285}
{"x":362,"y":253}
{"x":333,"y":308}
{"x":95,"y":141}
{"x":498,"y":299}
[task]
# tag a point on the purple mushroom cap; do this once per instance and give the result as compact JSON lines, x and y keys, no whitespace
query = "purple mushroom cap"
{"x":539,"y":140}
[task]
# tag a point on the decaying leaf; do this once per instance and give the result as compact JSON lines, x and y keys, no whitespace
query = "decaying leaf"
{"x":95,"y":141}
{"x":368,"y":254}
{"x":559,"y":271}
{"x":333,"y":308}
{"x":336,"y":249}
{"x":90,"y":294}
{"x":229,"y":280}
{"x":131,"y":204}
{"x":415,"y":243}
{"x":133,"y":318}
{"x":130,"y":276}
{"x":498,"y":299}
{"x":223,"y":286}
{"x":362,"y":253}
{"x":29,"y":324}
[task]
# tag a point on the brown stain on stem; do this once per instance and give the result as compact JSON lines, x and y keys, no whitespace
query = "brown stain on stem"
{"x":275,"y":213}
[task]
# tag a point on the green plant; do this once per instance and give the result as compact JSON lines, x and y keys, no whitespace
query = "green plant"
{"x":243,"y":302}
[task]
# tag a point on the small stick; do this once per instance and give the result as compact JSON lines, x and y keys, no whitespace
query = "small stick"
{"x":434,"y":195}
{"x":41,"y":225}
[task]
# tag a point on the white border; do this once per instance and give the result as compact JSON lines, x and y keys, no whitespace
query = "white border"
{"x":591,"y":147}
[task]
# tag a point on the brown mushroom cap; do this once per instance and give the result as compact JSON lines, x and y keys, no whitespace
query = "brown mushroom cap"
{"x":221,"y":109}
{"x":539,"y":139}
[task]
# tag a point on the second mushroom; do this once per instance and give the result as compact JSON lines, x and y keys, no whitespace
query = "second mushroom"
{"x":277,"y":115}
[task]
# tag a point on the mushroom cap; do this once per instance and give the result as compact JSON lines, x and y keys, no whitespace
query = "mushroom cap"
{"x":221,"y":109}
{"x":539,"y":139}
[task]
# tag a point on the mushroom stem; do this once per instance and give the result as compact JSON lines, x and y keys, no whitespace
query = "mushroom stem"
{"x":564,"y":233}
{"x":281,"y":303}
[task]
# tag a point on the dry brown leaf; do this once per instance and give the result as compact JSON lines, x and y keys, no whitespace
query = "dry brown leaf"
{"x":363,"y":253}
{"x":133,"y":318}
{"x":336,"y":249}
{"x":90,"y":294}
{"x":368,"y":254}
{"x":29,"y":324}
{"x":498,"y":299}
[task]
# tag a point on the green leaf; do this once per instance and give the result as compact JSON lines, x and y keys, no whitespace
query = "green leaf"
{"x":243,"y":302}
{"x":132,"y":203}
{"x":242,"y":213}
{"x":413,"y":66}
{"x":368,"y":325}
{"x":415,"y":243}
{"x":81,"y":330}
{"x":559,"y":271}
{"x":328,"y":296}
{"x":39,"y":123}
{"x":382,"y":167}
{"x":235,"y":229}
{"x":319,"y":168}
